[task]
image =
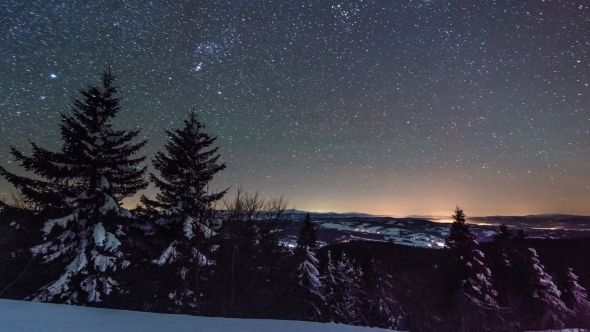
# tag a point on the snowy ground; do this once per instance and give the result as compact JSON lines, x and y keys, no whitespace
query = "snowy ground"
{"x":33,"y":316}
{"x":566,"y":330}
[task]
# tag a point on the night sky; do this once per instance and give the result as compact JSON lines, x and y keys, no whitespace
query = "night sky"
{"x":377,"y":106}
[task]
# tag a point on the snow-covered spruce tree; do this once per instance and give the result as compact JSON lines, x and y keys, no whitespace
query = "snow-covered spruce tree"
{"x":504,"y":273}
{"x":507,"y":262}
{"x":307,"y":274}
{"x":379,"y":305}
{"x":576,"y":298}
{"x":542,"y":297}
{"x":83,"y":185}
{"x":477,"y":298}
{"x":476,"y":279}
{"x":528,"y":292}
{"x":187,"y":217}
{"x":329,"y":288}
{"x":342,"y":291}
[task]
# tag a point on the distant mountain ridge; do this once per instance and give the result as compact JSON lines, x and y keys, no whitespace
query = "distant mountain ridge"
{"x":428,"y":216}
{"x":326,"y":214}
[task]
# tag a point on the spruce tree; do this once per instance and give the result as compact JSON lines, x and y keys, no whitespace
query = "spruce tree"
{"x":308,"y":235}
{"x":380,"y":306}
{"x":503,"y":235}
{"x":308,"y":276}
{"x":475,"y":276}
{"x":329,"y":289}
{"x":526,"y":289}
{"x":251,"y":264}
{"x":83,"y":186}
{"x":345,"y":299}
{"x":521,"y":235}
{"x":186,"y":208}
{"x":542,"y":297}
{"x":503,"y":270}
{"x":460,"y":238}
{"x":576,"y":299}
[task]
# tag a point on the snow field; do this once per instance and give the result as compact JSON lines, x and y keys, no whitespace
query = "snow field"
{"x":22,"y":316}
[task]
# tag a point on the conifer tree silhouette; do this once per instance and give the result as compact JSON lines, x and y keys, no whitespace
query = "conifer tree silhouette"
{"x":83,"y":186}
{"x":186,"y":168}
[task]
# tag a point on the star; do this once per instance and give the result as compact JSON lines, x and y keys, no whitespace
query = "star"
{"x":400,"y":108}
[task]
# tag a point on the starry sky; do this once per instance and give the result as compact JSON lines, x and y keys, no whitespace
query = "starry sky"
{"x":406,"y":107}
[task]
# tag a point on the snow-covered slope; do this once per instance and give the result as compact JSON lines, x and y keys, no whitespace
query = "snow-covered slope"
{"x":34,"y":316}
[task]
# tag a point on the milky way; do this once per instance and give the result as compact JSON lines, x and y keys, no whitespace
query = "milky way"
{"x":385,"y":107}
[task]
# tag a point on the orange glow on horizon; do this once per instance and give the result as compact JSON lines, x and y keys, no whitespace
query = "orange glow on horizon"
{"x":410,"y":207}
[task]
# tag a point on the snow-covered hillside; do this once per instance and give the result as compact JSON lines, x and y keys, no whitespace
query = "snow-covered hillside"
{"x":429,"y":232}
{"x":24,"y":316}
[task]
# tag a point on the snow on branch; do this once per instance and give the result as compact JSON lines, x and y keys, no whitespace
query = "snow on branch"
{"x":102,"y":262}
{"x":187,"y":227}
{"x":58,"y":287}
{"x":111,"y":205}
{"x":62,"y":222}
{"x":59,"y":251}
{"x":168,"y":256}
{"x":41,"y":248}
{"x":206,"y":231}
{"x":202,"y":259}
{"x":99,"y":234}
{"x":112,"y":243}
{"x":104,"y":183}
{"x":80,"y":261}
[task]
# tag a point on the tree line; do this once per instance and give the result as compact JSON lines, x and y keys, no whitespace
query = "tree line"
{"x":66,"y":238}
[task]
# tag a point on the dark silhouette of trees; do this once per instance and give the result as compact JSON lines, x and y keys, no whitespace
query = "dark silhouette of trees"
{"x":476,"y":297}
{"x":575,"y":298}
{"x":187,"y":217}
{"x":380,"y":306}
{"x":527,"y":291}
{"x":252,"y":267}
{"x":341,"y":288}
{"x":81,"y":187}
{"x":307,"y":275}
